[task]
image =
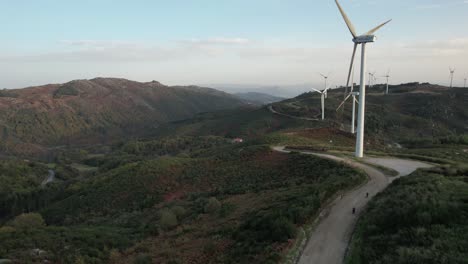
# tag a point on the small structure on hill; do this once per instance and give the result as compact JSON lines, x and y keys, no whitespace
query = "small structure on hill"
{"x":237,"y":140}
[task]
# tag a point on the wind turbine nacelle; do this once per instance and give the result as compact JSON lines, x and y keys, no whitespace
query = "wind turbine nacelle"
{"x":365,"y":39}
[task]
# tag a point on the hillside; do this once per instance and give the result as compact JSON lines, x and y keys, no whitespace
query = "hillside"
{"x":411,"y":111}
{"x":183,"y":200}
{"x":97,"y":111}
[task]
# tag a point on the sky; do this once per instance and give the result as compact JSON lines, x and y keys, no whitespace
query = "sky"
{"x":228,"y":42}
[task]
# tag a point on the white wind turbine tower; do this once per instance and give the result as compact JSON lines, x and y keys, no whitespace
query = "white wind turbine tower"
{"x":464,"y":85}
{"x":368,"y":37}
{"x":322,"y":99}
{"x":452,"y":71}
{"x":326,"y":80}
{"x":387,"y":76}
{"x":372,"y":79}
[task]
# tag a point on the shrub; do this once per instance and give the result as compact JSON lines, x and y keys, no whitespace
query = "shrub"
{"x":66,"y":90}
{"x":28,"y":221}
{"x":213,"y":205}
{"x":226,"y":209}
{"x":179,"y":211}
{"x":143,"y":259}
{"x":114,"y":256}
{"x":7,"y":229}
{"x":168,"y":219}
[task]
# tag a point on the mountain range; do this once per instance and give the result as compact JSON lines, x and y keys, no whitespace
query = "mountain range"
{"x":98,"y":111}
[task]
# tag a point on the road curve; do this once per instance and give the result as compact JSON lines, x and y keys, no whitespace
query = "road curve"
{"x":50,"y":178}
{"x":329,"y":240}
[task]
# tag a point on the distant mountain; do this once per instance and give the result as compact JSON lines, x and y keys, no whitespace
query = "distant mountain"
{"x":258,"y":98}
{"x":286,"y":91}
{"x":97,"y":111}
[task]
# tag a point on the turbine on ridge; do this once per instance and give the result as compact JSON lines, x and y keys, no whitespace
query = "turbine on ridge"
{"x":362,"y":40}
{"x":326,"y":79}
{"x":387,"y":76}
{"x":452,"y":71}
{"x":322,"y":99}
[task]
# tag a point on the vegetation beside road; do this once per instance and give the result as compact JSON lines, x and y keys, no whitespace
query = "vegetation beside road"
{"x":418,"y":219}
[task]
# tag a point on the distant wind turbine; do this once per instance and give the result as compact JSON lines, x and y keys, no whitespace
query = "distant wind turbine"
{"x":464,"y":86}
{"x":353,"y":113}
{"x":367,"y":37}
{"x":387,"y":76}
{"x":322,"y":99}
{"x":326,"y":79}
{"x":372,"y":79}
{"x":452,"y":71}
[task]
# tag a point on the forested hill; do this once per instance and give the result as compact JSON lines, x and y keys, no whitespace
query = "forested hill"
{"x":94,"y":111}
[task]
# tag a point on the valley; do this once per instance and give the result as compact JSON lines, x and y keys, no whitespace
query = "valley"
{"x":234,"y":132}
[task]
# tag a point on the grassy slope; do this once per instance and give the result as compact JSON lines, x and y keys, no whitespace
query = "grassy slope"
{"x":422,"y":218}
{"x":411,"y":112}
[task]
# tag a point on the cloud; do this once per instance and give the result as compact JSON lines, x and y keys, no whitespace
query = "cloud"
{"x":236,"y":60}
{"x":456,"y":46}
{"x":132,"y":51}
{"x":428,"y":6}
{"x":218,"y":41}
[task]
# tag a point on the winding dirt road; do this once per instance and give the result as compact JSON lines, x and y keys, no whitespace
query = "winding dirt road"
{"x":50,"y":178}
{"x":329,"y":240}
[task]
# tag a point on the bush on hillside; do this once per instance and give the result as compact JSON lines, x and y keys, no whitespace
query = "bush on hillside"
{"x":168,"y":220}
{"x":143,"y":259}
{"x":28,"y":221}
{"x":213,"y":205}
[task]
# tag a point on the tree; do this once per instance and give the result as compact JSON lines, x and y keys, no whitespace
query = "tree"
{"x":28,"y":221}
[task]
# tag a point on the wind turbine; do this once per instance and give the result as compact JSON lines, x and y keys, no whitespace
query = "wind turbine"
{"x":464,"y":86}
{"x":372,"y":79}
{"x":387,"y":76}
{"x":452,"y":71}
{"x":326,"y":79}
{"x":353,"y":94}
{"x":367,"y":37}
{"x":322,"y":98}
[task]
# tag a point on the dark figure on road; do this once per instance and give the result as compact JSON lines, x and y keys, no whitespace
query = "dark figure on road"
{"x":354,"y":210}
{"x":367,"y":195}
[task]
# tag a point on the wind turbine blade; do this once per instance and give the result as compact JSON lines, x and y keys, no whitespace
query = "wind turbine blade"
{"x":323,"y":75}
{"x":372,"y":31}
{"x":342,"y":103}
{"x":346,"y":19}
{"x":316,"y":90}
{"x":351,"y":64}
